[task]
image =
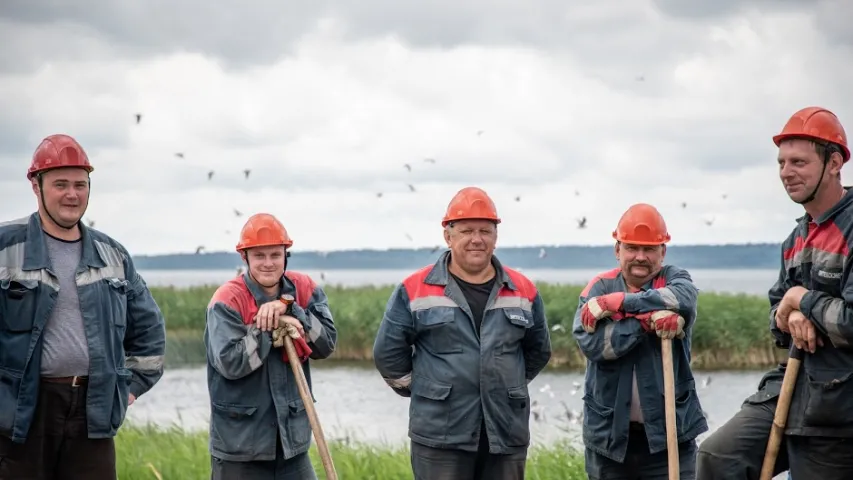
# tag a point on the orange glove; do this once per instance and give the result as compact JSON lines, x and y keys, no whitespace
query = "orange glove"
{"x":596,"y":308}
{"x":667,"y":325}
{"x":645,"y":320}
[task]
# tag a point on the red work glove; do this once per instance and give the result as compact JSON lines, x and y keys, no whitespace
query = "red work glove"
{"x":667,"y":325}
{"x":299,"y":343}
{"x":596,"y":308}
{"x":645,"y":320}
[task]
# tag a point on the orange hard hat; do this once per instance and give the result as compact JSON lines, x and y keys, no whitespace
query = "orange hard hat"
{"x":470,"y":203}
{"x":58,"y":151}
{"x":263,"y":230}
{"x":641,"y":224}
{"x":818,"y":124}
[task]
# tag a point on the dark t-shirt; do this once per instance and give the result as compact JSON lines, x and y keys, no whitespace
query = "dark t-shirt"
{"x":477,"y":295}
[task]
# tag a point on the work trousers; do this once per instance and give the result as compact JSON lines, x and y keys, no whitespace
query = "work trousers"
{"x":736,"y":450}
{"x":57,"y":445}
{"x":640,"y":464}
{"x":430,"y":463}
{"x":824,"y":458}
{"x":296,"y":468}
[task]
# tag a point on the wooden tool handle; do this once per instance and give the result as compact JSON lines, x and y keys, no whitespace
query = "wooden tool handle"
{"x":669,"y":408}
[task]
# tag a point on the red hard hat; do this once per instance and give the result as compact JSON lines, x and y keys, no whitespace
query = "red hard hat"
{"x":263,"y":230}
{"x":58,"y":151}
{"x":470,"y":203}
{"x":815,"y":123}
{"x":642,"y":224}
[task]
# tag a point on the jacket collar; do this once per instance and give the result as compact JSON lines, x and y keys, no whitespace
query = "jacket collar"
{"x":440,"y":272}
{"x":36,"y":256}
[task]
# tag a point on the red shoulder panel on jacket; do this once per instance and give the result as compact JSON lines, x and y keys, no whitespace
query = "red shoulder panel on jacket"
{"x":608,"y":275}
{"x":305,"y":286}
{"x":526,"y":287}
{"x":416,"y":288}
{"x":236,"y":295}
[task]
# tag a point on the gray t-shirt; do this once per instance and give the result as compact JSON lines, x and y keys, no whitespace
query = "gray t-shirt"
{"x":65,"y":352}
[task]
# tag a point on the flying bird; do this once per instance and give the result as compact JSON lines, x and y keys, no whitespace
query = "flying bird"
{"x":91,"y":223}
{"x":210,"y":174}
{"x":237,"y":212}
{"x":138,"y":118}
{"x":378,"y":194}
{"x":582,"y":222}
{"x":179,"y":155}
{"x":429,"y":160}
{"x":409,"y":237}
{"x":577,"y":193}
{"x":199,"y":249}
{"x":479,"y":132}
{"x":518,"y":198}
{"x":542,"y":253}
{"x":411,"y":187}
{"x":408,"y":167}
{"x":246,"y":172}
{"x":683,"y":204}
{"x":709,"y":222}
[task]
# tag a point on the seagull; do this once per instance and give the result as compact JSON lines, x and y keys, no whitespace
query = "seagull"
{"x":138,"y":118}
{"x":210,"y":174}
{"x":246,"y":172}
{"x":582,"y":222}
{"x":199,"y":249}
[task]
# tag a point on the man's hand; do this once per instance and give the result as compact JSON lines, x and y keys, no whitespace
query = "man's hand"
{"x":130,"y":399}
{"x":596,"y":308}
{"x":667,"y":324}
{"x":285,"y":320}
{"x":267,"y":318}
{"x":803,"y":332}
{"x":790,"y":302}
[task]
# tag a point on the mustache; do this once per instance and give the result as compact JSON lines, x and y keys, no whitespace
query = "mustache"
{"x":639,"y":264}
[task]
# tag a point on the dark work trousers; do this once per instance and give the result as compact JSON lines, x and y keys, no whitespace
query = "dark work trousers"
{"x":639,"y":463}
{"x":735,"y":451}
{"x":451,"y":464}
{"x":296,"y":468}
{"x":824,"y":458}
{"x":57,"y":445}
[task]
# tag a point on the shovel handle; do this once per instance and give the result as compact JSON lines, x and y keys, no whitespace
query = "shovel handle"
{"x":669,"y":409}
{"x":780,"y":418}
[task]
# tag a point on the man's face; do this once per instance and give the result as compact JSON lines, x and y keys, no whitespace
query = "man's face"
{"x":65,"y":194}
{"x":639,"y":263}
{"x":472,"y":243}
{"x":266,"y":264}
{"x":800,"y":168}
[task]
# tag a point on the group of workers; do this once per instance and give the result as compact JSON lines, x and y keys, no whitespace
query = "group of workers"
{"x":81,"y":338}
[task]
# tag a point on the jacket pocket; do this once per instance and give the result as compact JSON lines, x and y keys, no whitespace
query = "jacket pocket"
{"x":116,"y":293}
{"x":512,"y":425}
{"x":123,"y":377}
{"x":10,"y":385}
{"x":429,"y":408}
{"x":518,"y":323}
{"x":688,"y":411}
{"x":597,"y":422}
{"x":438,"y":331}
{"x":298,"y":425}
{"x":18,"y":299}
{"x":830,"y":398}
{"x":232,"y":429}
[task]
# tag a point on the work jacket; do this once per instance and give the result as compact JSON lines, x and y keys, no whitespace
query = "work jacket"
{"x":428,"y":347}
{"x":253,"y":393}
{"x":124,"y":327}
{"x":816,"y":256}
{"x":616,"y":349}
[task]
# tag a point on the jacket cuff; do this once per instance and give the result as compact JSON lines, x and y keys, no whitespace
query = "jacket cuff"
{"x":808,"y":302}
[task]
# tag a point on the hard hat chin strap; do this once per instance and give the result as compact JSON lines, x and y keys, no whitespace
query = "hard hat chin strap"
{"x":249,"y":269}
{"x":827,"y":154}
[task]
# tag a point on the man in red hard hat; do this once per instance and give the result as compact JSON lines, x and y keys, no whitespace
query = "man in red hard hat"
{"x":259,"y":427}
{"x":463,"y":338}
{"x":622,"y":316}
{"x":811,"y":308}
{"x":80,"y":334}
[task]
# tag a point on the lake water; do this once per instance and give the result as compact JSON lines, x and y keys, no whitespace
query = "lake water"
{"x":354,"y":402}
{"x":754,"y":282}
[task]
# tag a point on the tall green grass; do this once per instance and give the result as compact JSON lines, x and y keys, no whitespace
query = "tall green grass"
{"x":731,"y":331}
{"x":149,"y":453}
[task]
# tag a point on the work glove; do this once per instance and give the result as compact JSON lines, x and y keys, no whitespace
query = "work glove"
{"x":596,"y":308}
{"x":645,"y":320}
{"x":667,"y":324}
{"x":299,"y":343}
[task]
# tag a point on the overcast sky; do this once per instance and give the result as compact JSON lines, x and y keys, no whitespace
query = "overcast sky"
{"x":623,"y":101}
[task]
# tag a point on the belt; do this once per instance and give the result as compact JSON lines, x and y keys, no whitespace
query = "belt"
{"x":74,"y":381}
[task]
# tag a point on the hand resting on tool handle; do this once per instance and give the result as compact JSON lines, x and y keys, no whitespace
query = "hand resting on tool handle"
{"x":666,"y":324}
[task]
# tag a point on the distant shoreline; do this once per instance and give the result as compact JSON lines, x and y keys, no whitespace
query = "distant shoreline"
{"x":729,"y":257}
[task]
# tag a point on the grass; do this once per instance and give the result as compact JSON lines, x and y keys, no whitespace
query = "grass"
{"x":731,"y":331}
{"x":146,"y":453}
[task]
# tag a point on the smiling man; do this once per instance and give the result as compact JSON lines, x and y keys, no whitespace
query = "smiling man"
{"x":463,"y":338}
{"x":621,"y":318}
{"x":810,"y":305}
{"x":259,"y":428}
{"x":80,"y":334}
